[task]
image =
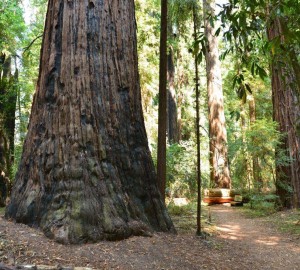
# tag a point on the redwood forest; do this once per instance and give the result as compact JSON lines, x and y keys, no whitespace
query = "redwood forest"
{"x":149,"y":134}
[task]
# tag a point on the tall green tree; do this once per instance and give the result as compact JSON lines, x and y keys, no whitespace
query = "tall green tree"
{"x":273,"y":29}
{"x":285,"y":70}
{"x":11,"y":34}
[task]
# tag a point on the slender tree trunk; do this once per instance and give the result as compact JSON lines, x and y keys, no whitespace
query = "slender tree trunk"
{"x":172,"y":100}
{"x":198,"y":134}
{"x":255,"y":159}
{"x":86,"y":172}
{"x":162,"y":110}
{"x":246,"y":161}
{"x":217,"y":132}
{"x":179,"y":116}
{"x":286,"y":112}
{"x":181,"y":82}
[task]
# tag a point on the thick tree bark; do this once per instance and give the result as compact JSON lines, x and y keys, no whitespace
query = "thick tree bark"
{"x":217,"y":131}
{"x":286,"y":112}
{"x":86,"y":172}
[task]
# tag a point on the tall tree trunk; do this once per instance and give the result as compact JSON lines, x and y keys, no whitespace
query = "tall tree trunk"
{"x":198,"y":135}
{"x":181,"y":82}
{"x":286,"y":112}
{"x":255,"y":159}
{"x":163,"y":98}
{"x":217,"y":131}
{"x":172,"y":100}
{"x":86,"y":172}
{"x":246,"y":161}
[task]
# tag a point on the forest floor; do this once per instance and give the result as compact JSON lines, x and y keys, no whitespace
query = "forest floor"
{"x":237,"y":242}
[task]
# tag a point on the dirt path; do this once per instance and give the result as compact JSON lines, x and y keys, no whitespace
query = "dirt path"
{"x":240,"y":243}
{"x":254,"y":243}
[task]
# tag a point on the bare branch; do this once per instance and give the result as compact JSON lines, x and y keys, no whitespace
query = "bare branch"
{"x":31,"y":43}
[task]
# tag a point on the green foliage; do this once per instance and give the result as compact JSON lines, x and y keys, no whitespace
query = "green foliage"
{"x":246,"y":54}
{"x":181,"y":169}
{"x":259,"y":141}
{"x":180,"y":12}
{"x":184,"y":218}
{"x":287,"y":221}
{"x":259,"y":209}
{"x":176,"y":210}
{"x":259,"y":204}
{"x":12,"y":26}
{"x":148,"y":24}
{"x":246,"y":23}
{"x":22,"y":42}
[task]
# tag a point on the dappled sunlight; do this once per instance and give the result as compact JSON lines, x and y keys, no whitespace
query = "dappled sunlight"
{"x":247,"y":231}
{"x":229,"y":231}
{"x":235,"y":232}
{"x":223,"y":211}
{"x":270,"y":241}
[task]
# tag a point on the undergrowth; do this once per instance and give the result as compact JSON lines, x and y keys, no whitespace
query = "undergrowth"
{"x":262,"y":209}
{"x":287,"y":221}
{"x":185,"y":218}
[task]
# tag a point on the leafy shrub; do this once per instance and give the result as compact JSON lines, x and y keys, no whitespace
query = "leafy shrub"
{"x":181,"y":169}
{"x":176,"y":210}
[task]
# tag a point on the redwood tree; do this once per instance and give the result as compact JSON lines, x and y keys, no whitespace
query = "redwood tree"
{"x":217,"y":131}
{"x":86,"y":172}
{"x":286,"y":111}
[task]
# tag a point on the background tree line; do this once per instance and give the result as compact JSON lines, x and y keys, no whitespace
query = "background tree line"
{"x":258,"y":46}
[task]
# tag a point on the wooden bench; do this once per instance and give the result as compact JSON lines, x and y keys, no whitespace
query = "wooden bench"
{"x":220,"y":196}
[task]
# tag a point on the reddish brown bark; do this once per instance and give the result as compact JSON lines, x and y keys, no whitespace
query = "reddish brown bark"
{"x":286,"y":112}
{"x":86,"y":173}
{"x":217,"y":131}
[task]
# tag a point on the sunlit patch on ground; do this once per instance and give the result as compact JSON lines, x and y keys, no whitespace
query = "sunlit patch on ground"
{"x":229,"y":231}
{"x":270,"y":241}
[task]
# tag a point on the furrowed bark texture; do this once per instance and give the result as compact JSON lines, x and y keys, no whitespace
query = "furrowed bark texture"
{"x":286,"y":111}
{"x":217,"y":131}
{"x":86,"y":172}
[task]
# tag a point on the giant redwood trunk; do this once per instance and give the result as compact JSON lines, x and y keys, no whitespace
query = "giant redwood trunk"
{"x":286,"y":111}
{"x":86,"y":173}
{"x":217,"y":131}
